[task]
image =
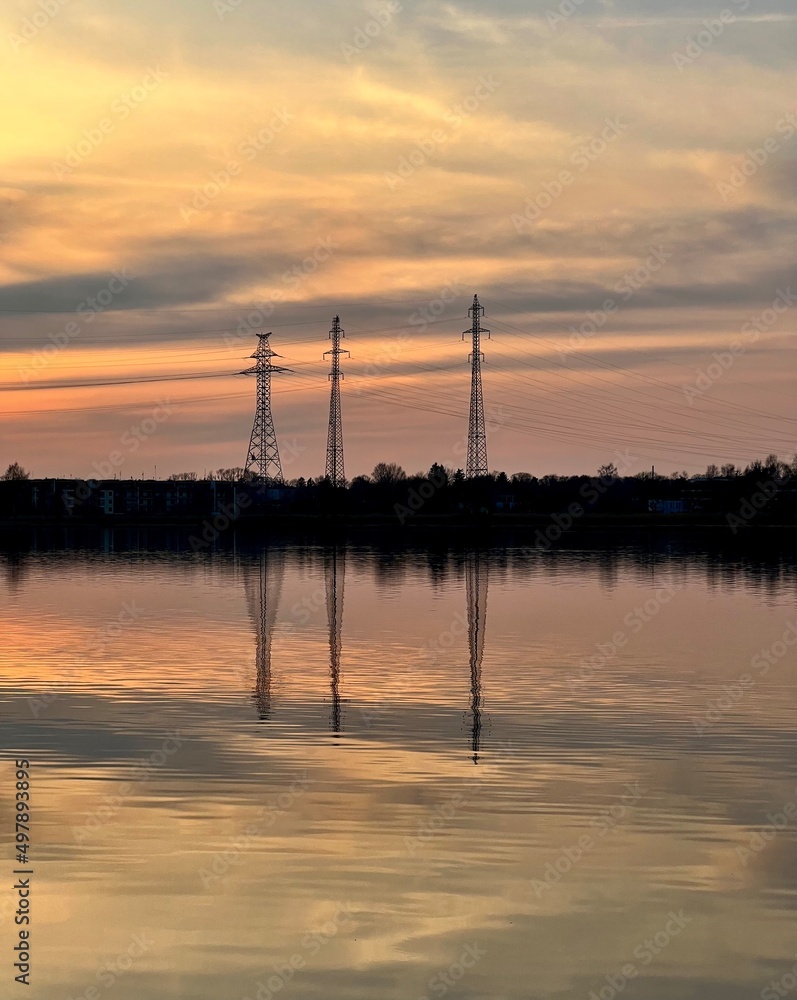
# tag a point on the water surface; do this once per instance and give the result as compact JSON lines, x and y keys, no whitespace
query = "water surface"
{"x":354,"y":772}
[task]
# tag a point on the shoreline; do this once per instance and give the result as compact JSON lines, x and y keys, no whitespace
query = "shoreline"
{"x":391,"y":523}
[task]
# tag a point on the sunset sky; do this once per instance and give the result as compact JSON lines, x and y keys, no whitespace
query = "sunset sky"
{"x":617,"y":184}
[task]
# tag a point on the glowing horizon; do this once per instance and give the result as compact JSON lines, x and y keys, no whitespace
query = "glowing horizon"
{"x":183,"y":171}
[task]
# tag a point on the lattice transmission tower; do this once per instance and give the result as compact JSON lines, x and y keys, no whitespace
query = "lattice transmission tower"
{"x":263,"y":458}
{"x":477,"y":433}
{"x":334,"y":470}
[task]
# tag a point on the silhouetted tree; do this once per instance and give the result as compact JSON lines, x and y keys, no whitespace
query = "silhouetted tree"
{"x":232,"y":475}
{"x":439,"y":474}
{"x":608,"y":471}
{"x":774,"y":468}
{"x":388,"y":473}
{"x":183,"y":477}
{"x":15,"y":471}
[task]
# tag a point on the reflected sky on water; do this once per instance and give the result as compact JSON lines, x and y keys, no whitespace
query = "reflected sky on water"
{"x":360,"y":772}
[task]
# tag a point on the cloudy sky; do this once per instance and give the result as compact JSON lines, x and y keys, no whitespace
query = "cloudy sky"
{"x":614,"y":178}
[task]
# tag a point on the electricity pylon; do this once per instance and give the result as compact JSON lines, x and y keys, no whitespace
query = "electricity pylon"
{"x":477,"y":433}
{"x":263,"y":458}
{"x":334,"y":470}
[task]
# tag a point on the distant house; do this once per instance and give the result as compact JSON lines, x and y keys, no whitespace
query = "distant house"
{"x":668,"y":506}
{"x":113,"y":499}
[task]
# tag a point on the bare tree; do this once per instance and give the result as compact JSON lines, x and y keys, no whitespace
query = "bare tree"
{"x":15,"y":471}
{"x":233,"y":475}
{"x":388,"y":473}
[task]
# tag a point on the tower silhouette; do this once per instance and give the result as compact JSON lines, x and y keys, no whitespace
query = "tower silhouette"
{"x":334,"y":469}
{"x":477,"y":434}
{"x":263,"y":586}
{"x":334,"y":573}
{"x":263,"y":459}
{"x":476,"y":590}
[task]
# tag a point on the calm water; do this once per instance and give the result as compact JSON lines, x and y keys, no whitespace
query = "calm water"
{"x":357,"y":773}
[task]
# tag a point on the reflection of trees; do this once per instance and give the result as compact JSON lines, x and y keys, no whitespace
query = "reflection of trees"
{"x":16,"y":567}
